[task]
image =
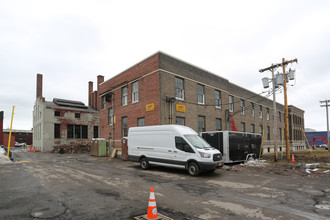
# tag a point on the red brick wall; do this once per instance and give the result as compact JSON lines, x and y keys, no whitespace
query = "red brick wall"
{"x":148,"y":93}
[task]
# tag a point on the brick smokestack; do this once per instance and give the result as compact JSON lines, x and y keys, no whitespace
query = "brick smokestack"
{"x":1,"y":128}
{"x":100,"y":79}
{"x":90,"y":91}
{"x":39,"y":85}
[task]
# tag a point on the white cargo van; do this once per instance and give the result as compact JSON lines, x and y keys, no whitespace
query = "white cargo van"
{"x":173,"y":146}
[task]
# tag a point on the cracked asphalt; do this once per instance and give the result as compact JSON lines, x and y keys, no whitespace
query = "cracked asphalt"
{"x":78,"y":186}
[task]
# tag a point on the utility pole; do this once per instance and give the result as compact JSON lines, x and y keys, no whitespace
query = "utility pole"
{"x":272,"y":68}
{"x":326,"y":106}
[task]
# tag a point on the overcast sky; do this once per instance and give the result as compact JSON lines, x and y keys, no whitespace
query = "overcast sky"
{"x":71,"y":42}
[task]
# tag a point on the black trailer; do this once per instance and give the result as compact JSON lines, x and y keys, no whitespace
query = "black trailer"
{"x":234,"y":146}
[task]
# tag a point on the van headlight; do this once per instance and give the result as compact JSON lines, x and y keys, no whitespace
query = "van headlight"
{"x":204,"y":155}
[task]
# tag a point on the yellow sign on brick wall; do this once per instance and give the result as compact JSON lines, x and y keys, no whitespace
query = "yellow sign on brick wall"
{"x":150,"y":107}
{"x":180,"y":108}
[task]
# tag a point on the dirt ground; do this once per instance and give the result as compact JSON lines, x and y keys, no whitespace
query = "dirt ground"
{"x":307,"y":163}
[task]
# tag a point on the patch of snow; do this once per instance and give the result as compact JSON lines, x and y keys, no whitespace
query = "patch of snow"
{"x":3,"y":157}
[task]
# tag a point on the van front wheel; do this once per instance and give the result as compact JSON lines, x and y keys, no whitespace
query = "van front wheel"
{"x":144,"y":163}
{"x":193,"y":169}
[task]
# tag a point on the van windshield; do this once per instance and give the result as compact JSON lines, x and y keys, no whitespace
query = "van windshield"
{"x":197,"y":141}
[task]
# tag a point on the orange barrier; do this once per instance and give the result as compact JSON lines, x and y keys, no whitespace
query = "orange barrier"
{"x":152,"y":207}
{"x":292,"y":159}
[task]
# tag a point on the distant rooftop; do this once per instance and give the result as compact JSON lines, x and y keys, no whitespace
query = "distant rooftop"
{"x":69,"y":103}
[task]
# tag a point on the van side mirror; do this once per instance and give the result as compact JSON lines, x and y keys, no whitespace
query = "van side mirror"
{"x":187,"y":148}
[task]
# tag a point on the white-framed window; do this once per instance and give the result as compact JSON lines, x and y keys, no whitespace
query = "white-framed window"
{"x":242,"y":126}
{"x":267,"y":113}
{"x":260,"y":111}
{"x":140,"y":122}
{"x":110,"y":116}
{"x":260,"y":129}
{"x":231,"y":103}
{"x":217,"y":98}
{"x":201,"y":123}
{"x":253,"y":128}
{"x":124,"y":96}
{"x":180,"y":120}
{"x":218,"y":124}
{"x":242,"y":106}
{"x":252,"y":109}
{"x":179,"y":88}
{"x":200,"y":94}
{"x":135,"y":92}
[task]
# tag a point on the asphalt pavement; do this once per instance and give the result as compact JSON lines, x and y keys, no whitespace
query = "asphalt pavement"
{"x":79,"y":186}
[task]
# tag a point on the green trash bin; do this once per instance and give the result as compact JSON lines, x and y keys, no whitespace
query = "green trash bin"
{"x":102,"y":148}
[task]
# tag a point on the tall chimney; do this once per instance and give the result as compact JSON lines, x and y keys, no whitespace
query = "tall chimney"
{"x":39,"y":85}
{"x":90,"y":91}
{"x":1,"y":128}
{"x":100,"y":79}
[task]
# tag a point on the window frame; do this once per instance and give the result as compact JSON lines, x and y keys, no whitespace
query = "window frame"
{"x":218,"y":121}
{"x":242,"y":105}
{"x":200,"y":88}
{"x":260,"y":111}
{"x":110,"y":116}
{"x":180,"y":119}
{"x":124,"y":129}
{"x":178,"y":90}
{"x":140,"y":120}
{"x":217,"y":98}
{"x":201,"y":121}
{"x":231,"y":103}
{"x":57,"y":131}
{"x":252,"y":109}
{"x":124,"y":96}
{"x":135,"y":92}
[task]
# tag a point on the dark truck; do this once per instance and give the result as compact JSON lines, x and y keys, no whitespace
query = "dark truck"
{"x":235,"y":146}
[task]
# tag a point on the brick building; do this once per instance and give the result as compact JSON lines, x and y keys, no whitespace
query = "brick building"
{"x":164,"y":90}
{"x":61,"y":121}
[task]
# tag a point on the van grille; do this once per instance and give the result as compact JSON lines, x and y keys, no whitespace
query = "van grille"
{"x":217,"y":157}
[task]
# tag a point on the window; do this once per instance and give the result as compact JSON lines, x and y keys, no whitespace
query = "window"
{"x":124,"y":126}
{"x":77,"y":131}
{"x":180,"y":144}
{"x":103,"y":102}
{"x":110,"y":116}
{"x":200,"y":94}
{"x":253,"y":128}
{"x":96,"y":131}
{"x":140,"y":122}
{"x":280,"y":132}
{"x":124,"y":96}
{"x":261,"y":129}
{"x":218,"y":124}
{"x":180,"y":121}
{"x":57,"y":113}
{"x":231,"y":103}
{"x":268,"y":133}
{"x":201,"y":123}
{"x":242,"y":126}
{"x":77,"y":115}
{"x":260,"y":111}
{"x":57,"y":131}
{"x":135,"y":92}
{"x":279,"y":116}
{"x":242,"y":107}
{"x":267,"y":113}
{"x":217,"y":98}
{"x":252,"y":109}
{"x":179,"y":89}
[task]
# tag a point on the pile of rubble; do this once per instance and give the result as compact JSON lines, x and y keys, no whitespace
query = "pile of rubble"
{"x":73,"y":148}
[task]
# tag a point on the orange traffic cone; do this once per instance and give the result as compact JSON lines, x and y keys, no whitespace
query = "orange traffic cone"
{"x":292,"y":159}
{"x":31,"y":148}
{"x":152,"y":208}
{"x":34,"y":149}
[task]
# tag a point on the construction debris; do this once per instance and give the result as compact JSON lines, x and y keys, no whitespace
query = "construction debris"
{"x":77,"y":147}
